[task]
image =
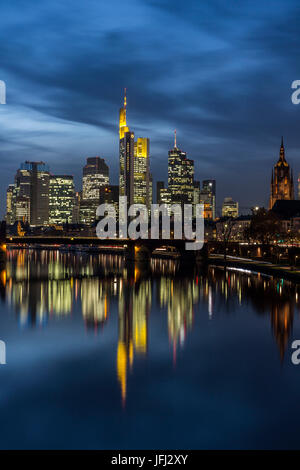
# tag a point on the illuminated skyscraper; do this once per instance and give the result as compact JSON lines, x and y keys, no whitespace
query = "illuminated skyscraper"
{"x":39,"y":201}
{"x":160,"y":185}
{"x":22,"y":209}
{"x":282,"y":184}
{"x":180,"y":176}
{"x":110,"y":195}
{"x":19,"y":197}
{"x":135,"y":177}
{"x":126,"y":154}
{"x":76,"y":207}
{"x":95,"y":177}
{"x":141,"y":187}
{"x":196,"y":196}
{"x":208,"y":198}
{"x":30,"y":194}
{"x":230,"y":208}
{"x":61,"y":199}
{"x":10,"y":204}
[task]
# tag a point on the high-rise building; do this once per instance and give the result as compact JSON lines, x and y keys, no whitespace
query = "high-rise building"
{"x":95,"y":177}
{"x":165,"y":196}
{"x":230,"y":208}
{"x":299,"y":186}
{"x":150,"y":190}
{"x":134,"y":160}
{"x":180,"y":176}
{"x":196,"y":196}
{"x":159,"y":186}
{"x":28,"y":198}
{"x":208,"y":198}
{"x":282,"y":184}
{"x":126,"y":155}
{"x":87,"y":211}
{"x":10,"y":217}
{"x":61,"y":199}
{"x":110,"y":195}
{"x":76,"y":207}
{"x":22,"y":209}
{"x":19,"y":197}
{"x":141,"y":186}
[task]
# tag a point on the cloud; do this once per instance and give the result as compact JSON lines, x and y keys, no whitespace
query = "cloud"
{"x":219,"y":72}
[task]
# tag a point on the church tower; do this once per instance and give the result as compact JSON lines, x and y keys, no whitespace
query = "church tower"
{"x":282,"y":184}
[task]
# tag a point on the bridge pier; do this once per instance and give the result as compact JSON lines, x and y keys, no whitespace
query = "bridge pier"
{"x":129,"y":254}
{"x":137,"y":252}
{"x":2,"y":257}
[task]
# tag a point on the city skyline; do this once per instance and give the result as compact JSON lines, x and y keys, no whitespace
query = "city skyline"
{"x":62,"y":105}
{"x":25,"y":198}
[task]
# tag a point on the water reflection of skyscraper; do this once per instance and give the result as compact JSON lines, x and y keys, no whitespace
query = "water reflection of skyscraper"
{"x":268,"y":295}
{"x":41,"y":284}
{"x":179,"y":296}
{"x":134,"y":309}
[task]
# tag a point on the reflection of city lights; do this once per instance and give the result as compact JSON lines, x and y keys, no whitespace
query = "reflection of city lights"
{"x":3,"y":277}
{"x":66,"y":278}
{"x":210,"y":311}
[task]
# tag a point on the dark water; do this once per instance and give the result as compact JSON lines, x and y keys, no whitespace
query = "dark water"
{"x":100,"y":356}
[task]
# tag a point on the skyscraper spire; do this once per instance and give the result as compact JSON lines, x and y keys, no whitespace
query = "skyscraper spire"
{"x":122,"y":118}
{"x":175,"y":140}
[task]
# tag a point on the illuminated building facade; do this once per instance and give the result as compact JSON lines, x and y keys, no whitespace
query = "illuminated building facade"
{"x":110,"y":195}
{"x":10,"y":219}
{"x":126,"y":155}
{"x":87,"y":211}
{"x":22,"y":209}
{"x":135,"y":180}
{"x":28,"y":198}
{"x":61,"y":199}
{"x":76,"y":207}
{"x":208,"y":198}
{"x":39,"y":200}
{"x":282,"y":184}
{"x":141,"y":186}
{"x":180,"y":176}
{"x":95,"y":177}
{"x":230,"y":208}
{"x":160,"y":185}
{"x":196,"y":196}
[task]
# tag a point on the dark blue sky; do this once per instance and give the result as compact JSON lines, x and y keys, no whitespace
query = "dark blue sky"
{"x":219,"y":71}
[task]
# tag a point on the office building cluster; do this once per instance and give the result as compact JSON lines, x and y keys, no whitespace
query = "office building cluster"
{"x":38,"y":198}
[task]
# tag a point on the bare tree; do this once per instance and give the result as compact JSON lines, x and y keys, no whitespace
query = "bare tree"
{"x":224,"y":232}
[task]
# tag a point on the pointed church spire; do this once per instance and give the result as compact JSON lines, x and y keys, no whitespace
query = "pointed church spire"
{"x":282,"y":151}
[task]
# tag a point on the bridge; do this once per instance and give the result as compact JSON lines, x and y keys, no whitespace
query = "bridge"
{"x":140,"y":249}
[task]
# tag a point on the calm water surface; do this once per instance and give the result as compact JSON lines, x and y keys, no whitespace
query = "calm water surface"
{"x":104,"y":356}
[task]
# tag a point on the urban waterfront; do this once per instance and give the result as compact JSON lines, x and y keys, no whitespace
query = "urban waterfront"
{"x":104,"y":355}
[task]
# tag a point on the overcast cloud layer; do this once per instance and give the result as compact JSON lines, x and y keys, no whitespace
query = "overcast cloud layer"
{"x":219,"y":71}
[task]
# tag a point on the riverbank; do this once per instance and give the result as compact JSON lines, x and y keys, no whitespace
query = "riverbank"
{"x":275,"y":270}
